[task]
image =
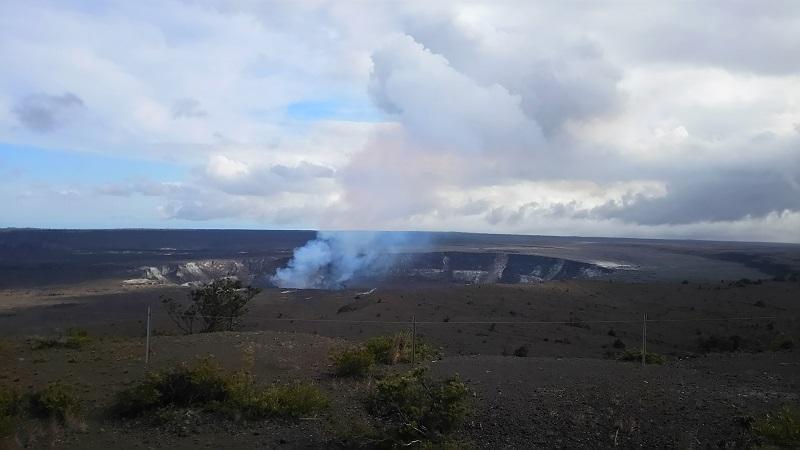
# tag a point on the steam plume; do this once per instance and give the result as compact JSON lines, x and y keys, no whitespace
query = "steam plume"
{"x":335,"y":258}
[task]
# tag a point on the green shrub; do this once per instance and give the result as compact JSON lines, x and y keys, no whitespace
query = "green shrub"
{"x":11,"y":407}
{"x":781,"y":342}
{"x":396,"y":348}
{"x":184,"y":385}
{"x":418,"y":408}
{"x":292,"y":400}
{"x":217,"y":306}
{"x":353,"y":362}
{"x":205,"y":384}
{"x":716,"y":343}
{"x":635,"y":354}
{"x":137,"y":399}
{"x":385,"y":349}
{"x":781,"y":429}
{"x":75,"y":338}
{"x":54,"y":401}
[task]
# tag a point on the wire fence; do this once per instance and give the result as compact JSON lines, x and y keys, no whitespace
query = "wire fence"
{"x":487,"y":322}
{"x":412,"y":323}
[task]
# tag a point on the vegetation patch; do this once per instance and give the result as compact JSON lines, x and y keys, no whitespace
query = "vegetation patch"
{"x":386,"y":350}
{"x":414,"y":408}
{"x":291,"y":400}
{"x":781,"y":429}
{"x":75,"y":338}
{"x":11,"y":406}
{"x":217,"y":306}
{"x":716,"y":343}
{"x":352,"y":362}
{"x":206,"y":385}
{"x":396,"y":348}
{"x":56,"y":401}
{"x":781,"y":342}
{"x":635,"y":354}
{"x":792,"y":277}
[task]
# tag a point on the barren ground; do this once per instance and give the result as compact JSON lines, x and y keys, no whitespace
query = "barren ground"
{"x":569,"y":392}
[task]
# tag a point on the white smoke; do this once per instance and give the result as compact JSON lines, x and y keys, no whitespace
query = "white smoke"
{"x":335,"y":258}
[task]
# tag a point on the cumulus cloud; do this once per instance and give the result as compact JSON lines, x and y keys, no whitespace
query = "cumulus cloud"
{"x":43,"y":112}
{"x":676,"y":120}
{"x":236,"y":177}
{"x":444,"y":107}
{"x":716,"y":197}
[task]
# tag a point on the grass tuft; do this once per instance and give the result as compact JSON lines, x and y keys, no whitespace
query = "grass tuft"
{"x":781,"y":342}
{"x":55,"y":401}
{"x":206,"y":385}
{"x":635,"y":354}
{"x":75,"y":338}
{"x":352,"y":362}
{"x":386,"y":350}
{"x":714,"y":343}
{"x":781,"y":429}
{"x":414,"y":407}
{"x":292,"y":400}
{"x":396,"y":348}
{"x":11,"y":406}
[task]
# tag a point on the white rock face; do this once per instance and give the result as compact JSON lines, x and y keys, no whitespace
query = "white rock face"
{"x":193,"y":273}
{"x":139,"y":282}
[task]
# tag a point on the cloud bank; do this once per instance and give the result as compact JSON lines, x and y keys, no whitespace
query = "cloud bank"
{"x":671,"y":120}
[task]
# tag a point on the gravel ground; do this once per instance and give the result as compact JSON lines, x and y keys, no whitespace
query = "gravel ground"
{"x":566,"y":394}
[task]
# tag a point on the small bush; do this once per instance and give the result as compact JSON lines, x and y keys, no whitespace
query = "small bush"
{"x":292,"y":400}
{"x":75,"y":338}
{"x":397,"y":349}
{"x":54,"y":401}
{"x":635,"y":354}
{"x":217,"y":306}
{"x":414,"y":407}
{"x":716,"y":343}
{"x":137,"y":399}
{"x":11,"y":407}
{"x":354,"y":362}
{"x":387,"y":350}
{"x":206,"y":385}
{"x":182,"y":386}
{"x":521,"y":351}
{"x":781,"y":342}
{"x":45,"y":343}
{"x":618,"y":343}
{"x":781,"y":429}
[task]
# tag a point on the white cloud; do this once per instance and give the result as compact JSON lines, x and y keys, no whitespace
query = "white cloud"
{"x":675,"y":120}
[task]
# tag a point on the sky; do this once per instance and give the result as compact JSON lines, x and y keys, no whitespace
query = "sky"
{"x":624,"y":118}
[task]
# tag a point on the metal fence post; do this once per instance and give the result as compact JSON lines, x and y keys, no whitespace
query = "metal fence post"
{"x":644,"y":339}
{"x":413,"y":340}
{"x":147,"y":340}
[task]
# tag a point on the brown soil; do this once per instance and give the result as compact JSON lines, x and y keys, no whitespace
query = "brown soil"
{"x":568,"y":393}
